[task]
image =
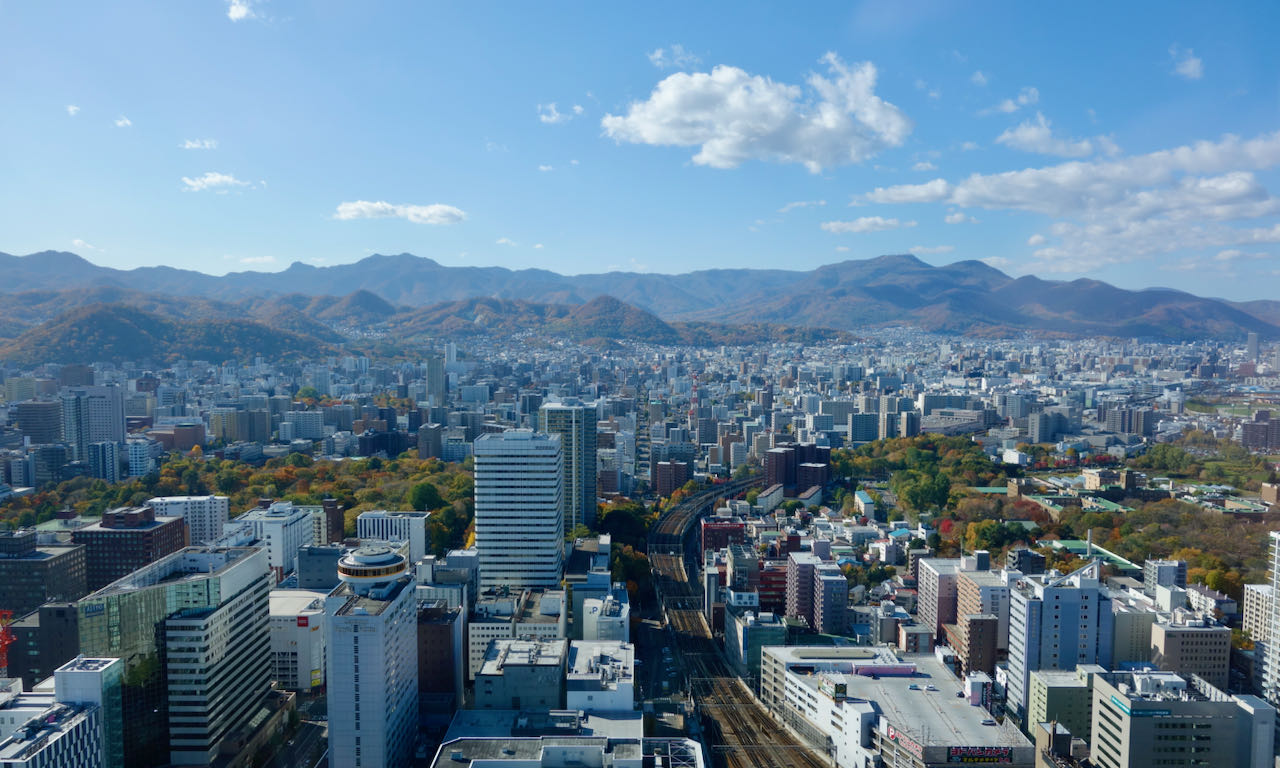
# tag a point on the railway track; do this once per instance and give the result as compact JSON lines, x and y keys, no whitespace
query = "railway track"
{"x":737,"y":731}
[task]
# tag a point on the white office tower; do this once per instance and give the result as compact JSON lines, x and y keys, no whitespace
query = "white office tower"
{"x":519,"y":511}
{"x":92,"y":415}
{"x":575,"y":423}
{"x":74,"y":722}
{"x":410,"y":527}
{"x":283,"y":529}
{"x":1269,"y":649}
{"x":1056,"y":622}
{"x":372,"y":660}
{"x":205,"y":515}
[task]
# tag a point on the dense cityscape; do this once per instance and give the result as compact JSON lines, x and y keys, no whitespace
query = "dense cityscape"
{"x":908,"y":550}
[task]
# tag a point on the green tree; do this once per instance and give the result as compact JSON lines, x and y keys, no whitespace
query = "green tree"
{"x":425,"y":497}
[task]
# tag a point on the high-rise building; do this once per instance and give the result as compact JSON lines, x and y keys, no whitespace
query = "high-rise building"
{"x":139,"y":456}
{"x":92,"y":415}
{"x":1251,"y":347}
{"x":192,"y":632}
{"x":298,"y":638}
{"x":519,"y":518}
{"x":576,"y":426}
{"x":409,"y":527}
{"x":40,"y":421}
{"x":283,"y":529}
{"x":204,"y":515}
{"x":372,"y":670}
{"x":126,"y":539}
{"x":437,"y":392}
{"x":1056,"y":622}
{"x":1160,"y":718}
{"x":31,"y":574}
{"x":104,"y":461}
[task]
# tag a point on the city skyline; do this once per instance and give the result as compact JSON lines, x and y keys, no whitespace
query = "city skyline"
{"x":248,"y":135}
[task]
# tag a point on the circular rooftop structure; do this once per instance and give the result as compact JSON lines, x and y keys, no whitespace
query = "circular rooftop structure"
{"x":371,"y":564}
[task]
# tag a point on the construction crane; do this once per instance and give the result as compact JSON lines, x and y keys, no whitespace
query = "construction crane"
{"x":6,"y":638}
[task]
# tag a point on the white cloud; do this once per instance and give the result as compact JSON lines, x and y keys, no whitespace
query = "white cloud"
{"x":573,"y":162}
{"x":213,"y":180}
{"x":436,"y":213}
{"x":1185,"y":63}
{"x":676,"y":56}
{"x":924,"y":165}
{"x":1202,"y":196}
{"x":978,"y":78}
{"x":199,"y":144}
{"x":545,"y":168}
{"x":1025,"y":97}
{"x":548,"y":114}
{"x":959,"y":218}
{"x":842,"y":248}
{"x":258,"y":260}
{"x":537,"y":246}
{"x":505,"y":241}
{"x":929,"y":250}
{"x":82,"y":245}
{"x":239,"y":10}
{"x":733,"y":116}
{"x":933,"y":93}
{"x":1182,"y":265}
{"x":969,"y":146}
{"x":1235,"y":254}
{"x":577,"y":109}
{"x":123,"y":122}
{"x":801,"y":204}
{"x":999,"y":262}
{"x":1037,"y":136}
{"x":72,"y":110}
{"x":1036,"y":240}
{"x":865,"y":224}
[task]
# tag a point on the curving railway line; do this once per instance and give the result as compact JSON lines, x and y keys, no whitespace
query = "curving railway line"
{"x":737,"y":731}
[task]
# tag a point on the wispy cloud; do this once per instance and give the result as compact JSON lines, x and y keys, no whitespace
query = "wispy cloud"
{"x":1185,"y":63}
{"x":72,"y":110}
{"x":801,"y":204}
{"x":924,"y":165}
{"x":506,"y":241}
{"x":123,"y":122}
{"x":1037,"y":136}
{"x":549,"y":114}
{"x":865,"y":224}
{"x":199,"y":144}
{"x":435,"y":213}
{"x":239,"y":10}
{"x":1026,"y":97}
{"x":978,"y":78}
{"x":544,"y":168}
{"x":675,"y":56}
{"x":537,"y":246}
{"x":82,"y":245}
{"x":959,"y":218}
{"x":213,"y":180}
{"x":258,"y":260}
{"x":930,"y":250}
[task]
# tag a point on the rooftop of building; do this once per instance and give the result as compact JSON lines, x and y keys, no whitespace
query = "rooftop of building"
{"x":522,"y":653}
{"x":928,"y":705}
{"x":292,"y":602}
{"x":564,"y":751}
{"x":374,"y":602}
{"x":52,"y":723}
{"x":191,"y":563}
{"x":985,"y":578}
{"x":601,"y":659}
{"x":508,"y":723}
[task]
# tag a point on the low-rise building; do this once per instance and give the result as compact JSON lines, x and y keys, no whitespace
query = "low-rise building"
{"x":298,"y":638}
{"x":600,"y":676}
{"x":522,"y":674}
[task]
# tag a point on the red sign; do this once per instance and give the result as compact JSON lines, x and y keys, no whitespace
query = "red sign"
{"x":302,"y":621}
{"x":906,"y":741}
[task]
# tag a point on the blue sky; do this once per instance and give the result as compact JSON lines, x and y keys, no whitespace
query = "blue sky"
{"x":1136,"y":143}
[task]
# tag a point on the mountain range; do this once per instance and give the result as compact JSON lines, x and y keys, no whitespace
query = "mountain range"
{"x":403,"y":296}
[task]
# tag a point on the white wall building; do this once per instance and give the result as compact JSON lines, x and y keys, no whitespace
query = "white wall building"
{"x":372,"y":668}
{"x":298,"y":638}
{"x":395,"y":526}
{"x":283,"y":529}
{"x":606,"y":619}
{"x":600,"y":677}
{"x":519,"y":516}
{"x":205,"y":515}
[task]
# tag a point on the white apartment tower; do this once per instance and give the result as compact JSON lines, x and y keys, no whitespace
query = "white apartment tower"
{"x":205,"y":515}
{"x":372,"y":661}
{"x":1268,"y":649}
{"x":283,"y":529}
{"x":1056,"y":622}
{"x":519,"y":509}
{"x":408,"y":527}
